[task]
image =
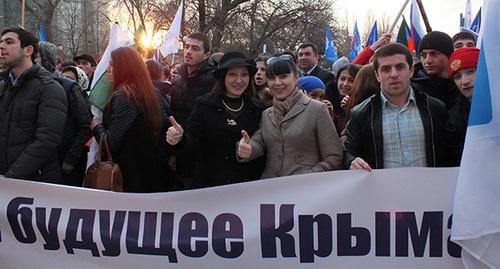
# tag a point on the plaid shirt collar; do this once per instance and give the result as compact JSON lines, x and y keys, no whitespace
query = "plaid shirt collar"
{"x":386,"y":103}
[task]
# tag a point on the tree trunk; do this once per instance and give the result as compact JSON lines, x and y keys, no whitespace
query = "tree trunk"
{"x":202,"y":15}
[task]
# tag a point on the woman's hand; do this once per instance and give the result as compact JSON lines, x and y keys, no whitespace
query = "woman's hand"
{"x":244,"y":147}
{"x":344,"y":102}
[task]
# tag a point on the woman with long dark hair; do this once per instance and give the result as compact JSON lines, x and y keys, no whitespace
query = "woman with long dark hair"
{"x":214,"y":127}
{"x":132,"y":122}
{"x":297,"y":133}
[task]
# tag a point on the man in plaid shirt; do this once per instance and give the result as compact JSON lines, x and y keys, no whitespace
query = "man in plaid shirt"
{"x":398,"y":127}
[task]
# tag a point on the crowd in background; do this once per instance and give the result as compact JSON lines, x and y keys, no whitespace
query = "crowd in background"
{"x":221,"y":118}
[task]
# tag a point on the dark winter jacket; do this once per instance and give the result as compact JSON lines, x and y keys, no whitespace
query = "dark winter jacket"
{"x":437,"y":87}
{"x":187,"y":87}
{"x":32,"y":117}
{"x":459,"y":117}
{"x":77,"y":128}
{"x":364,"y":132}
{"x":132,"y":144}
{"x":213,"y":133}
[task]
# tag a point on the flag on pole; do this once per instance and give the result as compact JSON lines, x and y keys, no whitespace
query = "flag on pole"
{"x":171,"y":41}
{"x":476,"y":23}
{"x":416,"y":30}
{"x":468,"y":15}
{"x":330,"y":51}
{"x":476,"y":217}
{"x":101,"y":88}
{"x":355,"y":43}
{"x":373,"y":37}
{"x":403,"y":33}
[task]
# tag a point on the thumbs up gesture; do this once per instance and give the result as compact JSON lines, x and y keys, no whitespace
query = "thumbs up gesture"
{"x":174,"y":132}
{"x":244,"y":147}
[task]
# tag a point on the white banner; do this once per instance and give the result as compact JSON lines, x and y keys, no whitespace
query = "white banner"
{"x":395,"y":218}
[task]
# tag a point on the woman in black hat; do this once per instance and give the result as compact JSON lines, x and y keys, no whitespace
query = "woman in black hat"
{"x":216,"y":123}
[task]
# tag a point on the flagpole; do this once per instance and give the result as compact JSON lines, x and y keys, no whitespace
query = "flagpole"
{"x":398,"y":16}
{"x":22,"y":13}
{"x":424,"y":16}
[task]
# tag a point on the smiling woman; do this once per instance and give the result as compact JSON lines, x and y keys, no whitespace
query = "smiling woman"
{"x":297,"y":133}
{"x":216,"y":123}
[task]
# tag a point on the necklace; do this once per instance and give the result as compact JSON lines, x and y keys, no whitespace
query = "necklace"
{"x":231,"y":109}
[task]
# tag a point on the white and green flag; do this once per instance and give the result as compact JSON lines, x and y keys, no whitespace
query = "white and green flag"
{"x":101,"y":88}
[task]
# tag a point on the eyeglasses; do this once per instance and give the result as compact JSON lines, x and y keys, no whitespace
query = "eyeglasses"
{"x":282,"y":57}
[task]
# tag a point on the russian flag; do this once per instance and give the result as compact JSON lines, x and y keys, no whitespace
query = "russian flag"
{"x":373,"y":37}
{"x":476,"y":218}
{"x":355,"y":43}
{"x":416,"y":30}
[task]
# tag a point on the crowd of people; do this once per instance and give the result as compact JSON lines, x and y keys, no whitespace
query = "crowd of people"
{"x":224,"y":118}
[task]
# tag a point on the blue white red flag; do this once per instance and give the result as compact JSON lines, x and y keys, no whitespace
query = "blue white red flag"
{"x":373,"y":37}
{"x":355,"y":43}
{"x":416,"y":30}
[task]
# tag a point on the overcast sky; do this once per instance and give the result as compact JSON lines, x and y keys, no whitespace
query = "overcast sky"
{"x":444,"y":15}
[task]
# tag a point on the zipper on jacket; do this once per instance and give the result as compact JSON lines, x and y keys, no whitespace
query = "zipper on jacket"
{"x":432,"y":132}
{"x":373,"y":136}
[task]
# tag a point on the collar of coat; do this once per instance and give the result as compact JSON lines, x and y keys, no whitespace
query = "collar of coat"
{"x":296,"y":109}
{"x":32,"y":72}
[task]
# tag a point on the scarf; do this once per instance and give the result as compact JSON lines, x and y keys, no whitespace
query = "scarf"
{"x":282,"y":107}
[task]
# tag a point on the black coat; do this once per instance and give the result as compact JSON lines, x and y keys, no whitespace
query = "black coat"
{"x":133,"y":145}
{"x":459,"y":118}
{"x":212,"y":140}
{"x":364,"y":132}
{"x":187,"y":87}
{"x":32,"y":117}
{"x":437,"y":87}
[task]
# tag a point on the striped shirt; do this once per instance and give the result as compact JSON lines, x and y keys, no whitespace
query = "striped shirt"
{"x":403,"y":134}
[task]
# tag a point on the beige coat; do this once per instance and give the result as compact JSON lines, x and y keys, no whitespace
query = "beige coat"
{"x":305,"y":142}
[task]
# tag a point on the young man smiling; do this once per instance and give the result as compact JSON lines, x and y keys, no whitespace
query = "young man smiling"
{"x":398,"y":127}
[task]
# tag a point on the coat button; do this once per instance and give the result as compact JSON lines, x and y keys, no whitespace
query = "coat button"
{"x":284,"y":125}
{"x":226,"y":158}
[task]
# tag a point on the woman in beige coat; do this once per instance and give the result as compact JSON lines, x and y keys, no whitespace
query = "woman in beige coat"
{"x":297,"y":133}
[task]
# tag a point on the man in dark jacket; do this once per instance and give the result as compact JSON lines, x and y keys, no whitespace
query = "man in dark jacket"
{"x":431,"y":74}
{"x":33,"y":110}
{"x":308,"y":64}
{"x":72,"y":151}
{"x":196,"y":78}
{"x":398,"y":127}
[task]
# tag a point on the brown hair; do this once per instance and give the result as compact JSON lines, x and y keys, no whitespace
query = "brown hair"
{"x":155,"y":70}
{"x":365,"y":85}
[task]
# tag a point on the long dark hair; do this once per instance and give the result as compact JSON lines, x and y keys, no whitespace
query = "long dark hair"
{"x":131,"y":75}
